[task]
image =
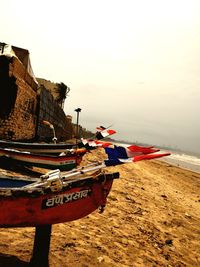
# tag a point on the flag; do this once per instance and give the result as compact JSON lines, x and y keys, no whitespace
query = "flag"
{"x":126,"y":152}
{"x":102,"y":144}
{"x":135,"y":148}
{"x":90,"y":144}
{"x":100,"y":128}
{"x":150,"y":156}
{"x":104,"y":133}
{"x":117,"y":161}
{"x":114,"y":159}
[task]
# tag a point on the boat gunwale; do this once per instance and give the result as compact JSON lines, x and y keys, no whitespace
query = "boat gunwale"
{"x":69,"y":184}
{"x":8,"y":144}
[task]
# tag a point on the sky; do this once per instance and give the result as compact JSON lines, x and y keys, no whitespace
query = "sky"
{"x":134,"y":65}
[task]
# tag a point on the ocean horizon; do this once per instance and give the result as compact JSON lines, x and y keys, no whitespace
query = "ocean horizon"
{"x":183,"y":159}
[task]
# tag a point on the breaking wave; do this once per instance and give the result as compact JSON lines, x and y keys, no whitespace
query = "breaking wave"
{"x":184,"y":160}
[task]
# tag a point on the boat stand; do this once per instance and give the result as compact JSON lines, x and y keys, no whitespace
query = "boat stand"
{"x":40,"y":256}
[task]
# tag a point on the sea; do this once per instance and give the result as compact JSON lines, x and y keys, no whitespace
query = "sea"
{"x":185,"y":160}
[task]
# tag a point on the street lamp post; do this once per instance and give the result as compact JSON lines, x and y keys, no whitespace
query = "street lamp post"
{"x":78,"y":110}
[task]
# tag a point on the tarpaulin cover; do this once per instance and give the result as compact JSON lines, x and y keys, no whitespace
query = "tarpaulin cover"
{"x":20,"y":53}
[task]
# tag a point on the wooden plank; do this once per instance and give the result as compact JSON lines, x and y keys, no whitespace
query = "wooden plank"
{"x":40,"y":256}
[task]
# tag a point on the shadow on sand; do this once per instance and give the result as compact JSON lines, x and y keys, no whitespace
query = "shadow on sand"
{"x":7,"y":260}
{"x":11,"y":165}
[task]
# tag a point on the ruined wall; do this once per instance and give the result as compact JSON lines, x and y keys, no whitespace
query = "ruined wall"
{"x":49,"y":110}
{"x":24,"y":105}
{"x":18,"y":101}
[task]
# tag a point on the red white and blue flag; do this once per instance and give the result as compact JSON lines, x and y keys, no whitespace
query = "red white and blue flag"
{"x":126,"y":152}
{"x":115,"y":157}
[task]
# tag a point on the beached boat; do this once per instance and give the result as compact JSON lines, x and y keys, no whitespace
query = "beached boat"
{"x":54,"y":197}
{"x":60,"y":197}
{"x":65,"y":162}
{"x":37,"y":147}
{"x":57,"y":148}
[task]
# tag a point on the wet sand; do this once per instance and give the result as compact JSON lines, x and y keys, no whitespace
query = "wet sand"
{"x":152,"y":218}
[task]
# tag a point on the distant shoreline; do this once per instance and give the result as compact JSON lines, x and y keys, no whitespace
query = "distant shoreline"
{"x":185,"y":160}
{"x":178,"y":150}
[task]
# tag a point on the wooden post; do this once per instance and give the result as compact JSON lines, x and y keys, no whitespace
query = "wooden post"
{"x":40,"y":257}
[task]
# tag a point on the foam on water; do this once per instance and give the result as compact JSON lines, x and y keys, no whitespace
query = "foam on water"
{"x":180,"y":159}
{"x":184,"y":160}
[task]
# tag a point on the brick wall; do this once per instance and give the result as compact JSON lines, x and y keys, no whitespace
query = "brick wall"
{"x":18,"y":119}
{"x":49,"y":110}
{"x":24,"y":105}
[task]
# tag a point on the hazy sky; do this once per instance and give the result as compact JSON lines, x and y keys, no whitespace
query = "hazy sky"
{"x":131,"y":64}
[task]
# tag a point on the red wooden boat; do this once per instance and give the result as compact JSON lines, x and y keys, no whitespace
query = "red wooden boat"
{"x":60,"y":197}
{"x":57,"y":148}
{"x":54,"y":197}
{"x":64,"y":162}
{"x":37,"y":147}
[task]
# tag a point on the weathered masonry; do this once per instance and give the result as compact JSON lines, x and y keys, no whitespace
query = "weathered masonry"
{"x":18,"y":90}
{"x":24,"y":104}
{"x":49,"y":110}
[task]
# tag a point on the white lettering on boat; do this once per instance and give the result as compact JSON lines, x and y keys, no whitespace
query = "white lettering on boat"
{"x":64,"y":198}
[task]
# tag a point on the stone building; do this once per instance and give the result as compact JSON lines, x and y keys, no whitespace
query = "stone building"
{"x":24,"y":104}
{"x":49,"y":110}
{"x":18,"y":89}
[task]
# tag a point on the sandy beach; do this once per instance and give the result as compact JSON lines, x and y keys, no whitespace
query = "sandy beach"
{"x":152,"y":218}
